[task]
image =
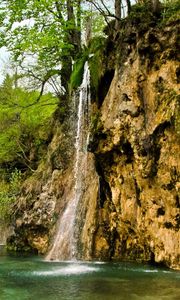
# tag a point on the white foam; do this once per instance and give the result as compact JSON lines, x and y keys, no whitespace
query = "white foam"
{"x":67,"y":270}
{"x":150,"y":271}
{"x":99,"y":262}
{"x":142,"y":270}
{"x":168,"y":272}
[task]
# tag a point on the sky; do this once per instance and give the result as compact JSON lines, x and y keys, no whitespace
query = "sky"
{"x":4,"y":62}
{"x":4,"y":55}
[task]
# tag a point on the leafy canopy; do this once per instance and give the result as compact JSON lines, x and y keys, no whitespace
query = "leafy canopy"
{"x":41,"y":35}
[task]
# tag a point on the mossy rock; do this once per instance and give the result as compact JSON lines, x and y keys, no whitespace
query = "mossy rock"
{"x":94,"y":55}
{"x":77,"y":73}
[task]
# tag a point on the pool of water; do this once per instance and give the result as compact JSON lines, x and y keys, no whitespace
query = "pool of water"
{"x":36,"y":279}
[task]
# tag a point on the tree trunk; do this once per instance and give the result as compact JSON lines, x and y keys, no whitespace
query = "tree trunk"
{"x":156,"y":6}
{"x":128,"y":6}
{"x":117,"y":13}
{"x":88,"y":33}
{"x":74,"y":33}
{"x":78,"y":17}
{"x":72,"y":38}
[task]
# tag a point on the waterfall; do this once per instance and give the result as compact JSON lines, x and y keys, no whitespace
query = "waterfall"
{"x":64,"y":246}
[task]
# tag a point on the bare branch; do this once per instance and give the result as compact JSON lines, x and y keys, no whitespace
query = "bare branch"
{"x":24,"y":157}
{"x":105,"y":12}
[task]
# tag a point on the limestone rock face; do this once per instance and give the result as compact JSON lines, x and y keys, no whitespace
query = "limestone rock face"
{"x":138,"y":154}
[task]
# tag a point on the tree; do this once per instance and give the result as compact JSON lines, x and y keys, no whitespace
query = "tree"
{"x":44,"y":36}
{"x":111,"y":9}
{"x":118,"y":9}
{"x":23,"y":126}
{"x":117,"y":13}
{"x":155,"y":5}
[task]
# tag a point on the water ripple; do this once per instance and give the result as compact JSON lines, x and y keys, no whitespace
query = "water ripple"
{"x":67,"y":270}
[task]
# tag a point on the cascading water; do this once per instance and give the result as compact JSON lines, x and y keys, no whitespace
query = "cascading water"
{"x":64,"y":246}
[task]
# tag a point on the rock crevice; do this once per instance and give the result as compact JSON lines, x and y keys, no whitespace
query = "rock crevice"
{"x":139,"y":153}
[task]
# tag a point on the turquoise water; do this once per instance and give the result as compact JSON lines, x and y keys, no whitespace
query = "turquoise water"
{"x":35,"y":279}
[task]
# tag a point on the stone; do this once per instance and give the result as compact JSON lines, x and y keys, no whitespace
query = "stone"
{"x":139,"y":158}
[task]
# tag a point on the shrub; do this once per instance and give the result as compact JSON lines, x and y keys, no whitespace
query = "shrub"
{"x":8,"y":193}
{"x":23,"y":122}
{"x":171,"y":10}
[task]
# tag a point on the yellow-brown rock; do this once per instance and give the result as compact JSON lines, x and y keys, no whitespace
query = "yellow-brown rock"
{"x":138,"y":156}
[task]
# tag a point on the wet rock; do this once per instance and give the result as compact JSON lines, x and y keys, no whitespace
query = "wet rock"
{"x":137,"y":154}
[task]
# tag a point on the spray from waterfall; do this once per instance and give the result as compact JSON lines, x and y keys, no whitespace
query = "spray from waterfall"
{"x":64,"y":246}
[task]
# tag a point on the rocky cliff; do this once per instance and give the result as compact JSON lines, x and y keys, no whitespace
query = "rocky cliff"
{"x":130,"y":204}
{"x":136,"y":146}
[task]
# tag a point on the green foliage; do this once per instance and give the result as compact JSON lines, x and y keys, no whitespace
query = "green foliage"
{"x":141,"y":14}
{"x":171,"y":10}
{"x":96,"y":125}
{"x":15,"y":181}
{"x":96,"y":48}
{"x":8,"y":193}
{"x":97,"y":44}
{"x":94,"y":21}
{"x":24,"y":128}
{"x":44,"y":33}
{"x":98,"y":25}
{"x":5,"y":205}
{"x":35,"y":26}
{"x":77,"y":73}
{"x":22,"y":121}
{"x":47,"y":33}
{"x":139,"y":8}
{"x":94,"y":54}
